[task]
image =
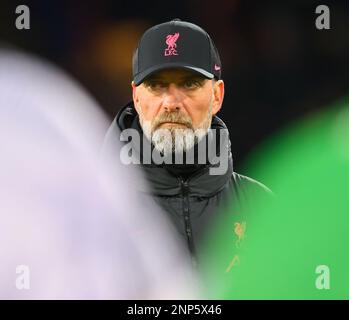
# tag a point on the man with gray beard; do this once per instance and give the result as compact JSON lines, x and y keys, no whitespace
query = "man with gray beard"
{"x":171,"y":129}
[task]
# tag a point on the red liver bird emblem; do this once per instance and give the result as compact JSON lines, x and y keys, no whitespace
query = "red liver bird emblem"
{"x":171,"y":44}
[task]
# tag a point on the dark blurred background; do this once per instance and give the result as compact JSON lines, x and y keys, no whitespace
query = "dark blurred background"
{"x":277,"y":66}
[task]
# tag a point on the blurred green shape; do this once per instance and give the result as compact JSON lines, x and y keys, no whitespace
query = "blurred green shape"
{"x":305,"y":225}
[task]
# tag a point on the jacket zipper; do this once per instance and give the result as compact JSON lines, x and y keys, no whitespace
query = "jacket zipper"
{"x":188,"y":229}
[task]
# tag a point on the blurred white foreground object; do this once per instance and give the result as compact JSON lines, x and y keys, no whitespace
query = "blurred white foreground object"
{"x":67,"y":230}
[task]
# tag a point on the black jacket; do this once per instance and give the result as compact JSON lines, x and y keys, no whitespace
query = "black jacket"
{"x":189,"y":195}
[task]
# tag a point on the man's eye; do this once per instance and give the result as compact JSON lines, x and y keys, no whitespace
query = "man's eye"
{"x":191,"y":84}
{"x":155,"y":85}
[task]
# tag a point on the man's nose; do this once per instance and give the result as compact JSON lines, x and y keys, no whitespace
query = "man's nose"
{"x":172,"y":99}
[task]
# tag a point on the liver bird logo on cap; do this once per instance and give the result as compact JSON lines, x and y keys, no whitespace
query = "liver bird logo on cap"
{"x":171,"y":44}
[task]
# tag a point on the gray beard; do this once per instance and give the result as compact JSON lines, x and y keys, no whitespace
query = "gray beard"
{"x":174,"y":140}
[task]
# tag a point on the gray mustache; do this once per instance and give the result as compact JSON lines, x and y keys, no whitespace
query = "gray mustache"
{"x":172,"y":117}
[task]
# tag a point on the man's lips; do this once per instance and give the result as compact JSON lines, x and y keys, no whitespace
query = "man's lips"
{"x":173,"y":123}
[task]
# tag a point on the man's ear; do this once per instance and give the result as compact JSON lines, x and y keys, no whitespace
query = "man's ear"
{"x":135,"y":96}
{"x":218,"y":96}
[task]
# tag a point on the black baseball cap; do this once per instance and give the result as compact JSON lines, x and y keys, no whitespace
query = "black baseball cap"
{"x":176,"y":44}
